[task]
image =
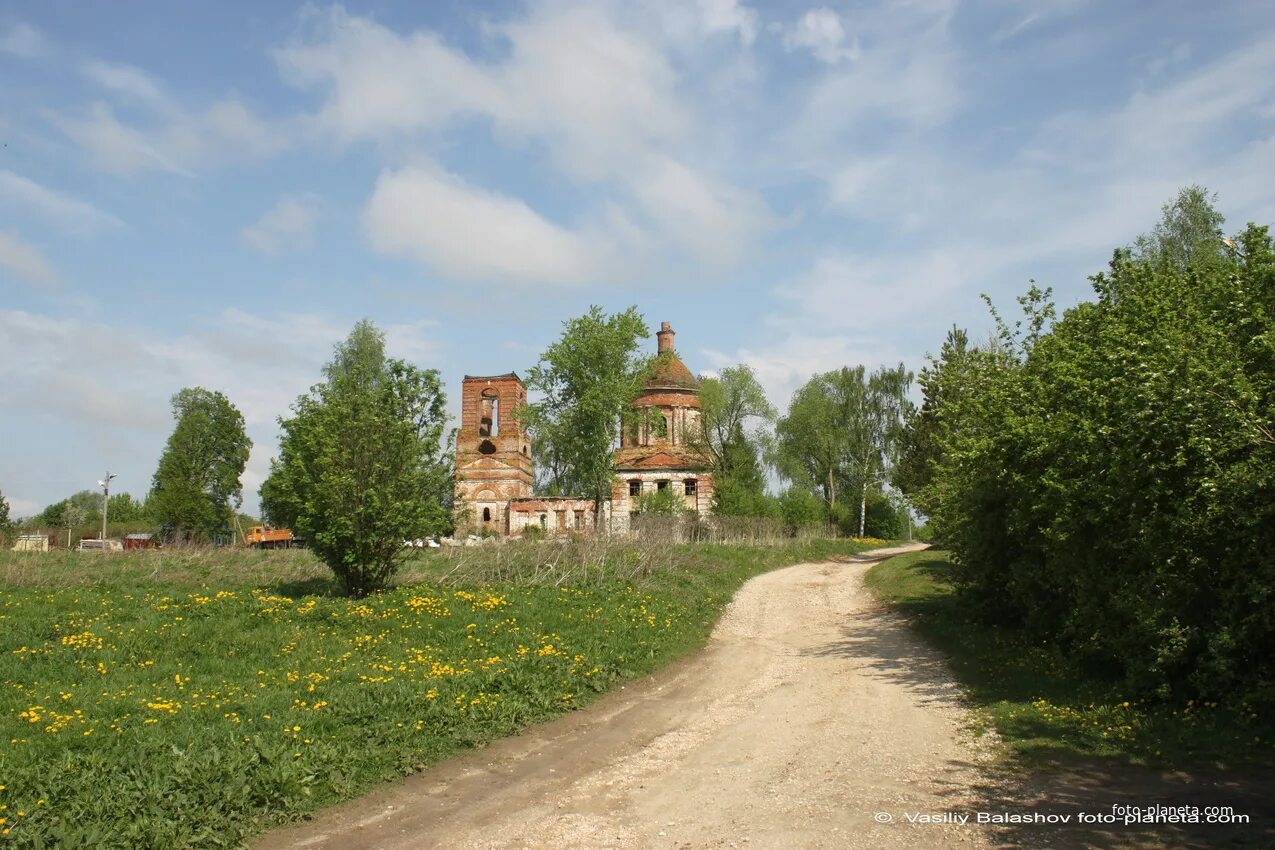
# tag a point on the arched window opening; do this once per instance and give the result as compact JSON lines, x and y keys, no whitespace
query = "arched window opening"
{"x":488,"y":414}
{"x":660,"y":427}
{"x":486,"y":514}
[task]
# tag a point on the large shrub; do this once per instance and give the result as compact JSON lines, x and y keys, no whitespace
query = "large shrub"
{"x":361,"y":464}
{"x":1109,"y":483}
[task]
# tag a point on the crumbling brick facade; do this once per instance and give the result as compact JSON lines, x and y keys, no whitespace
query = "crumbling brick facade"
{"x":493,"y":452}
{"x":659,"y":451}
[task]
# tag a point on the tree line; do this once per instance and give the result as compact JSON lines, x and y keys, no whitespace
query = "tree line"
{"x":365,"y":461}
{"x":1106,"y":478}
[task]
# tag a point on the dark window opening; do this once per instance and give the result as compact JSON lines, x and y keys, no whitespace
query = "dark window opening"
{"x":488,"y":414}
{"x":635,"y":488}
{"x":544,"y":521}
{"x":486,"y":514}
{"x":487,"y":447}
{"x":661,"y":485}
{"x":660,"y":427}
{"x":690,"y":484}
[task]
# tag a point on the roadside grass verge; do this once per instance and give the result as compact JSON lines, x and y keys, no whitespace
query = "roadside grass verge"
{"x":1045,"y":707}
{"x":186,"y":699}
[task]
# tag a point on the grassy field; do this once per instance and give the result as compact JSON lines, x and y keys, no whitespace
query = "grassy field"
{"x":183,"y":699}
{"x":1044,"y":707}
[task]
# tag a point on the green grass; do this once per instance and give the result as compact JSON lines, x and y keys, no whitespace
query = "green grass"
{"x":1046,"y":708}
{"x":183,"y":699}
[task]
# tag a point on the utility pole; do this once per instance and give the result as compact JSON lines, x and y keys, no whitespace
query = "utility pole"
{"x":106,"y":498}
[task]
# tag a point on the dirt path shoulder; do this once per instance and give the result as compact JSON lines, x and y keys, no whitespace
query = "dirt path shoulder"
{"x":810,"y":711}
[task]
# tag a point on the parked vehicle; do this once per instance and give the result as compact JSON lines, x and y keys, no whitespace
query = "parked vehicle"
{"x":261,"y":537}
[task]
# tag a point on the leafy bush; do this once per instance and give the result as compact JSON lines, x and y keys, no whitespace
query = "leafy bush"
{"x":665,"y":502}
{"x":361,"y":466}
{"x":1109,"y":482}
{"x":801,"y":509}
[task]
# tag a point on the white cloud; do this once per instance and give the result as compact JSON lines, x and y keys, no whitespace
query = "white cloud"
{"x":117,"y":379}
{"x":596,"y":94}
{"x":906,"y":80}
{"x":25,"y":261}
{"x":467,"y":232}
{"x":786,"y":363}
{"x":63,"y":210}
{"x":126,"y":80}
{"x":820,"y":31}
{"x":289,"y":224}
{"x":728,"y":16}
{"x":600,"y":100}
{"x":174,"y":141}
{"x":1040,"y":12}
{"x":115,"y":147}
{"x":24,"y":41}
{"x":719,"y":222}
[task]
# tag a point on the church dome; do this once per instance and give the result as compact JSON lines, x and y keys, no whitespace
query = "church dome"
{"x":669,"y":371}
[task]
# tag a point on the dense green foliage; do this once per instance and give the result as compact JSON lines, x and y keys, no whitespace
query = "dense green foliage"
{"x":733,"y":418}
{"x":587,"y":379}
{"x":73,"y":511}
{"x":800,"y":508}
{"x":361,"y":464}
{"x":884,"y":517}
{"x":1045,"y":703}
{"x":196,"y":487}
{"x":665,"y":502}
{"x":171,"y":700}
{"x":122,"y":507}
{"x":5,"y":522}
{"x":1108,"y":482}
{"x":841,"y":433}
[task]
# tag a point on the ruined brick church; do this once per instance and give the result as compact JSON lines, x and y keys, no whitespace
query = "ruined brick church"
{"x":494,"y":463}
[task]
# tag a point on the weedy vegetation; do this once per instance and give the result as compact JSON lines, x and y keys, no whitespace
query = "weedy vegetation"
{"x":190,"y":698}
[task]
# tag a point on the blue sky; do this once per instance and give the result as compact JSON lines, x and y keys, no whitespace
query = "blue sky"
{"x":212,"y":193}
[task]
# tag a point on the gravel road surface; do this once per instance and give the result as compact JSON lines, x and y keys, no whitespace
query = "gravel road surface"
{"x":811,"y":716}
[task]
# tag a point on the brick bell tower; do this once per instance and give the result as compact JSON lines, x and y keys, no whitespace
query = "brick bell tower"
{"x":493,"y":453}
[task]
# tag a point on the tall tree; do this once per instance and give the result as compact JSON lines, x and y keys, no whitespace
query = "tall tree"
{"x":588,"y":380}
{"x":1188,"y":235}
{"x":734,"y":411}
{"x":809,"y":448}
{"x":362,"y":464}
{"x":87,"y":502}
{"x":951,"y":385}
{"x":197,"y":484}
{"x":732,"y":404}
{"x":842,"y":430}
{"x":73,"y":517}
{"x":1107,"y":481}
{"x":122,"y":507}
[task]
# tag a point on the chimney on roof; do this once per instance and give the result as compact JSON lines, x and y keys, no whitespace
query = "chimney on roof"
{"x":665,"y":336}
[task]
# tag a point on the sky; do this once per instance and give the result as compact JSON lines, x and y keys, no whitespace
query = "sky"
{"x":212,"y":193}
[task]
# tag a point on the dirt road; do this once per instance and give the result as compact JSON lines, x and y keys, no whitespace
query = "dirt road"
{"x":810,"y":711}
